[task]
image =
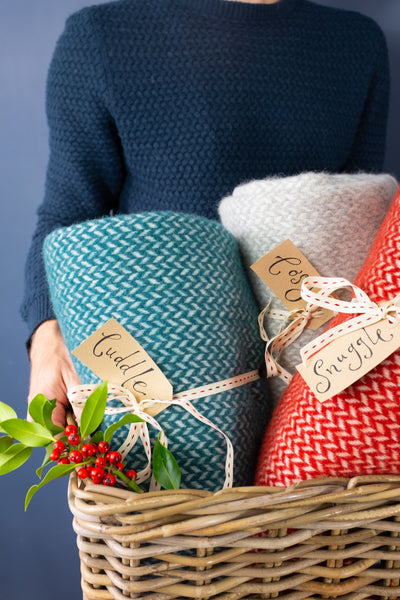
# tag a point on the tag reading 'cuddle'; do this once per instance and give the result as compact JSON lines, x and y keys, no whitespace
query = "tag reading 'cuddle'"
{"x":347,"y":358}
{"x":113,"y":354}
{"x":283,"y":270}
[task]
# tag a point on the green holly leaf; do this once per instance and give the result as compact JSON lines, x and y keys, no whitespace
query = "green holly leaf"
{"x":55,"y":473}
{"x":93,"y":411}
{"x":47,"y":414}
{"x":6,"y":412}
{"x":46,"y":460}
{"x":126,"y":420}
{"x":41,"y":410}
{"x":165,"y":468}
{"x":97,"y":437}
{"x":14,"y":457}
{"x":30,"y":434}
{"x":36,"y":408}
{"x":5,"y":442}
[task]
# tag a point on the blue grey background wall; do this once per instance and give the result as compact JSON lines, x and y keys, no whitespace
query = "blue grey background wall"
{"x":38,"y":555}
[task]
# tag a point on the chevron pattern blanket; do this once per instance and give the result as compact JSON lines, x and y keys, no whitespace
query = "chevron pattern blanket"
{"x":330,"y":218}
{"x":358,"y":430}
{"x":176,"y":283}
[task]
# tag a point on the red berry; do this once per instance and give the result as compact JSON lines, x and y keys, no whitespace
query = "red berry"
{"x":59,"y":445}
{"x":82,"y":473}
{"x":131,"y":474}
{"x":100,"y":461}
{"x":114,"y":457}
{"x":120,"y":466}
{"x":63,"y":461}
{"x":92,"y":449}
{"x":85,"y":450}
{"x":103,"y":447}
{"x":55,"y":455}
{"x":70,"y":429}
{"x":97,"y":474}
{"x":89,"y":469}
{"x":75,"y":456}
{"x":74,"y":439}
{"x":109,"y":479}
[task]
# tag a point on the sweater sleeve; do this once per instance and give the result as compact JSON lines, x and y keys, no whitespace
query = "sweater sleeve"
{"x":86,"y":169}
{"x":368,"y":150}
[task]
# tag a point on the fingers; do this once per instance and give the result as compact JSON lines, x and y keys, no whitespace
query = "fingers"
{"x":52,"y":370}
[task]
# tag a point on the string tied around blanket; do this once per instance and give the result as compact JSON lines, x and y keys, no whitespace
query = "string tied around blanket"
{"x":77,"y":395}
{"x":367,"y":311}
{"x":293,"y":324}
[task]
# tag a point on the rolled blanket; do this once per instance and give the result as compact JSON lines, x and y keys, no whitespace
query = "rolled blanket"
{"x":175,"y":282}
{"x":332,"y":219}
{"x":358,"y":430}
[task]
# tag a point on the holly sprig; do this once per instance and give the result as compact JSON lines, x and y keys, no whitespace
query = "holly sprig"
{"x":83,"y":448}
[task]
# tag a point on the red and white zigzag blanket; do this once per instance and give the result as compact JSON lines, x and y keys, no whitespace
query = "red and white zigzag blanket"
{"x":358,"y":430}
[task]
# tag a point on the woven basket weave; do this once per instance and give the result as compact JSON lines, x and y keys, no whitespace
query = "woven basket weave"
{"x":327,"y":538}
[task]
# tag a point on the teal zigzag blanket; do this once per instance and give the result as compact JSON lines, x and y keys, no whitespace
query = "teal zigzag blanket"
{"x":176,"y":283}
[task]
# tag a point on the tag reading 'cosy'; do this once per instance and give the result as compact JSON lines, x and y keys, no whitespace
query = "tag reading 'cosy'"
{"x":347,"y":358}
{"x":113,"y":354}
{"x":283,"y":270}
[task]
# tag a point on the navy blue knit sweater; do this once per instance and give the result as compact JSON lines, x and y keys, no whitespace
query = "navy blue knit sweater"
{"x":169,"y":104}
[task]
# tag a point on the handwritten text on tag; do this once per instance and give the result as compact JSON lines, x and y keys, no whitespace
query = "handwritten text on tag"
{"x":113,"y":354}
{"x":283,"y":270}
{"x":349,"y":357}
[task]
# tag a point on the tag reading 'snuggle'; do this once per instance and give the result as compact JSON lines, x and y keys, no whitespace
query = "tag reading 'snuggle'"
{"x":113,"y":354}
{"x":349,"y":357}
{"x":283,"y":270}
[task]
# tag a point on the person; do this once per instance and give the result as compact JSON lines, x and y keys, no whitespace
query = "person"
{"x":170,"y":104}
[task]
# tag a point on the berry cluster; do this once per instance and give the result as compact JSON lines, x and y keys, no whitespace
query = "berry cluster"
{"x":99,"y":463}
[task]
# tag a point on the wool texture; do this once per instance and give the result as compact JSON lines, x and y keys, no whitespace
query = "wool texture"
{"x":170,"y":104}
{"x":356,"y":431}
{"x":332,"y":219}
{"x":176,"y":283}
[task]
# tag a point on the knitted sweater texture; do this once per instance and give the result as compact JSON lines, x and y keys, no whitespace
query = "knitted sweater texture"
{"x":170,"y":104}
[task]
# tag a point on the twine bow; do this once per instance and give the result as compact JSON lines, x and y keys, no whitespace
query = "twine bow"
{"x":367,"y":312}
{"x":78,"y":395}
{"x":297,"y":321}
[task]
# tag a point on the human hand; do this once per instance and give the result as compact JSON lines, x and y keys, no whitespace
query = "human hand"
{"x":52,"y":370}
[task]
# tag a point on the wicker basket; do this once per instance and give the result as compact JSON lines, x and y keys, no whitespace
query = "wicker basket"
{"x":325,"y":538}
